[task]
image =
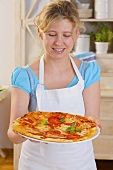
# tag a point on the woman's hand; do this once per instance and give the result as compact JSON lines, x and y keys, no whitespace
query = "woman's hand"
{"x":15,"y":137}
{"x":96,"y":120}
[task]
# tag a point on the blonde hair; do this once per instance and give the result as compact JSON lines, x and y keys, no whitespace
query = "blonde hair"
{"x":59,"y":9}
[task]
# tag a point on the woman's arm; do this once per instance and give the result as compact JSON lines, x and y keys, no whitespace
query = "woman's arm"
{"x":19,"y":107}
{"x":91,"y":97}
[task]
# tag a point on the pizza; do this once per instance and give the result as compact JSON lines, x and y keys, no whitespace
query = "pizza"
{"x":55,"y":126}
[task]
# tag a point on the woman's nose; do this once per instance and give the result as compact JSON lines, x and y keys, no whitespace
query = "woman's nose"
{"x":59,"y":40}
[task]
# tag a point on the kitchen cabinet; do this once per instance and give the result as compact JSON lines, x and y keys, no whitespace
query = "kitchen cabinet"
{"x":103,"y":145}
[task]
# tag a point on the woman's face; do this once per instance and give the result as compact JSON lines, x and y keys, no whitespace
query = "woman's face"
{"x":59,"y":38}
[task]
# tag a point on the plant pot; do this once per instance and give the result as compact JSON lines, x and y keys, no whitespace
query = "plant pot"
{"x":101,"y":47}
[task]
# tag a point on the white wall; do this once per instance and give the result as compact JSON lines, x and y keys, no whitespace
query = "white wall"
{"x":6,"y":40}
{"x":7,"y":64}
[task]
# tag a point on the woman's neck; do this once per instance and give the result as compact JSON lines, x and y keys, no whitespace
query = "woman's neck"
{"x":57,"y":64}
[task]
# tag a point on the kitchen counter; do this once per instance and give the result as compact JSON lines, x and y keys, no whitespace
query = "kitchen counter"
{"x":4,"y":92}
{"x":3,"y":95}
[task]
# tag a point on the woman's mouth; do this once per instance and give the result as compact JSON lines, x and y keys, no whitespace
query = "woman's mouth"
{"x":58,"y":50}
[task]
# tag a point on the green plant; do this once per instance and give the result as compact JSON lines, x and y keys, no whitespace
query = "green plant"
{"x":103,"y":33}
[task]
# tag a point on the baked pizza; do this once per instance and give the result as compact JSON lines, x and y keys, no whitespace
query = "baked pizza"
{"x":55,"y":126}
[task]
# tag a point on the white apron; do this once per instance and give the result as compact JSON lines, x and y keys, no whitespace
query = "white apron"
{"x":51,"y":156}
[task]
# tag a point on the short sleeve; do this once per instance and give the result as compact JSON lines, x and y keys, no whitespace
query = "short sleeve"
{"x":92,"y":74}
{"x":20,"y":79}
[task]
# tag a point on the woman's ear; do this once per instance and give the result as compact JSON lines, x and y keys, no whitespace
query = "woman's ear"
{"x":40,"y":34}
{"x":77,"y":33}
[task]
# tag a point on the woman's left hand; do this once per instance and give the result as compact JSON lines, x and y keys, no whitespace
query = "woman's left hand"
{"x":96,"y":120}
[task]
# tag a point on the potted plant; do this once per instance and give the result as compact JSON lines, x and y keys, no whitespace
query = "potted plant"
{"x":102,"y":37}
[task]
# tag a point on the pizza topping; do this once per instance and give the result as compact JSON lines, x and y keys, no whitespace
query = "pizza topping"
{"x":70,"y":136}
{"x":55,"y":120}
{"x":45,"y":123}
{"x":53,"y":133}
{"x":71,"y":129}
{"x":78,"y":129}
{"x":28,"y":120}
{"x":70,"y":123}
{"x":62,"y":120}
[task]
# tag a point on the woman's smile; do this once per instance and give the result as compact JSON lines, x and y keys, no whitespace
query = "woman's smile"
{"x":59,"y":50}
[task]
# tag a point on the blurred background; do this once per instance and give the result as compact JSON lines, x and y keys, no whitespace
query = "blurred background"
{"x":19,"y":45}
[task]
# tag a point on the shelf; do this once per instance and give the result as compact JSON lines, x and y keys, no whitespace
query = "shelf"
{"x":96,"y":20}
{"x":30,"y":21}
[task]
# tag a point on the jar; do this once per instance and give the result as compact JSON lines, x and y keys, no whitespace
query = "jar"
{"x":82,"y":43}
{"x":101,"y":9}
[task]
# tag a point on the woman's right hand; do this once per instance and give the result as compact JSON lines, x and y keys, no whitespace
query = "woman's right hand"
{"x":15,"y":137}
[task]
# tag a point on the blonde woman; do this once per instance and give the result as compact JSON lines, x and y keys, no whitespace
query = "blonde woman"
{"x":59,"y":86}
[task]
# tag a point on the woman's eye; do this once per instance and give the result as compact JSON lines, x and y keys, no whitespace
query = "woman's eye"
{"x":52,"y":35}
{"x":65,"y":35}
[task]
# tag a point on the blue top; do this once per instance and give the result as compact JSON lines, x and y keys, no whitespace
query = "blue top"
{"x":20,"y":78}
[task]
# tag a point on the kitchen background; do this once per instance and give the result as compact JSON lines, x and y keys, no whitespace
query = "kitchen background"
{"x":15,"y":51}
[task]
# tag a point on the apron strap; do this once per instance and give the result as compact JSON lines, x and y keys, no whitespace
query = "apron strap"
{"x":76,"y":69}
{"x":41,"y":71}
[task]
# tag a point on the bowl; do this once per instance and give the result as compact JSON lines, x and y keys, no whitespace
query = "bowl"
{"x":83,"y":5}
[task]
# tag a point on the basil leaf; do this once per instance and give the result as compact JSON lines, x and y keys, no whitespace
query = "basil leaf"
{"x":68,"y":129}
{"x":71,"y":129}
{"x":74,"y":124}
{"x":62,"y":120}
{"x":45,"y":123}
{"x":78,"y":129}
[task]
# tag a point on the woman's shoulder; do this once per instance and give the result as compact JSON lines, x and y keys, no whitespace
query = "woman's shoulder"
{"x":77,"y":61}
{"x":19,"y":73}
{"x":34,"y":66}
{"x":20,"y":78}
{"x":81,"y":64}
{"x":92,"y":66}
{"x":91,"y":73}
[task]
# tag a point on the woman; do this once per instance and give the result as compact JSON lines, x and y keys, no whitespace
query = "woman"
{"x":59,"y":86}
